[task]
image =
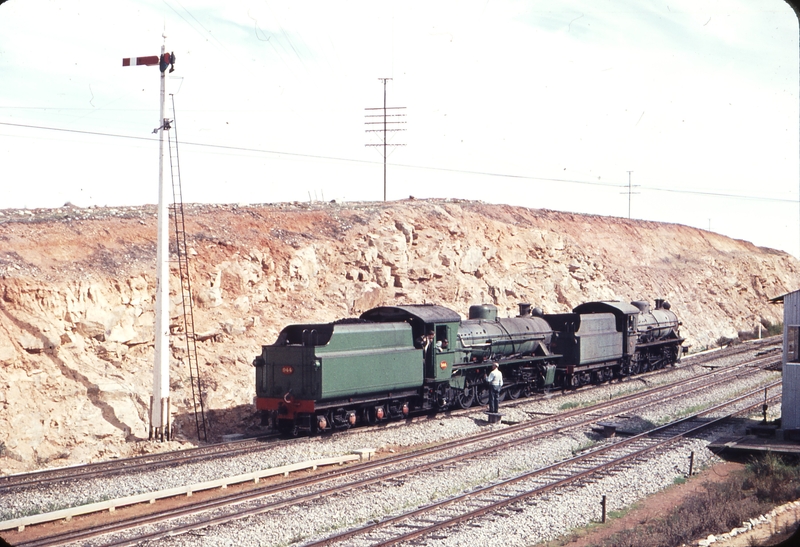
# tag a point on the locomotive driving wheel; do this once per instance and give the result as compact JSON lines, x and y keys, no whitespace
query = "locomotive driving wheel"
{"x":482,"y":395}
{"x":466,"y":397}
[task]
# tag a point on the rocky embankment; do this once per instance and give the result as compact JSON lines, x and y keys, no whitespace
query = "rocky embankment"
{"x":78,"y":290}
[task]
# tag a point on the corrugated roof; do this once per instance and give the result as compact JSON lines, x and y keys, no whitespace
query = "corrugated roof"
{"x":779,"y":299}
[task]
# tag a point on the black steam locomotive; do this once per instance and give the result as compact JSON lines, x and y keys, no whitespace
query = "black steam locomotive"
{"x":397,"y":359}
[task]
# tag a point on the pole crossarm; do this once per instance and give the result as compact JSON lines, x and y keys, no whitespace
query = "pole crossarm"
{"x":385,"y":122}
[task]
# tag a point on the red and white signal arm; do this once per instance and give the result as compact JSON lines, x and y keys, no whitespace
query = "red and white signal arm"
{"x":140,"y":61}
{"x":164,"y":61}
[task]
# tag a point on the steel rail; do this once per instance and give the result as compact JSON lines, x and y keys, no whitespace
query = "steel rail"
{"x":164,"y":459}
{"x":126,"y":465}
{"x":229,"y":499}
{"x":573,"y":477}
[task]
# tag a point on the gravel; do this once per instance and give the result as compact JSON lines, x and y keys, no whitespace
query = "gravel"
{"x":536,"y":522}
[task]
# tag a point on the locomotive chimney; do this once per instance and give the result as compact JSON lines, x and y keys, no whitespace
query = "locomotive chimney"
{"x":524,"y":309}
{"x":659,"y":303}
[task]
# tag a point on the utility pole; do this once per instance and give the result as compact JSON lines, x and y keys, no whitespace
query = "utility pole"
{"x":630,"y":192}
{"x":386,"y":129}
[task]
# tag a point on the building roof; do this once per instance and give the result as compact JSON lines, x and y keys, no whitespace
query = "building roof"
{"x":779,"y":299}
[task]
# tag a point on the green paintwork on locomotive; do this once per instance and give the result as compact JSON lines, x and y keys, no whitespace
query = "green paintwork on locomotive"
{"x":597,"y":341}
{"x":587,"y":339}
{"x":440,"y":366}
{"x":355,"y":360}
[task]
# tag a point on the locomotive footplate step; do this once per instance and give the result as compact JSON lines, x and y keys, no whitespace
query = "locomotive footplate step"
{"x":494,"y":417}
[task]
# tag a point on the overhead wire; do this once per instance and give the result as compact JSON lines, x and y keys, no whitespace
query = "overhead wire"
{"x":410,"y":166}
{"x":198,"y":22}
{"x":271,"y":43}
{"x":286,"y":35}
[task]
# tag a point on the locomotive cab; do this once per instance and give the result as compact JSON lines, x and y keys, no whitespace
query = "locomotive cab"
{"x":436,"y":323}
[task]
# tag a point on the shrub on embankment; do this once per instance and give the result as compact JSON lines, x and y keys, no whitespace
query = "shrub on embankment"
{"x":766,"y":482}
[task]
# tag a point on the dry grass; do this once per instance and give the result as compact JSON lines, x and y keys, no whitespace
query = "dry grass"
{"x":766,"y":482}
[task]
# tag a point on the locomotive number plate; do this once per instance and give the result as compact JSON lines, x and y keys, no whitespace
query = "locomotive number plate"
{"x":287,"y":369}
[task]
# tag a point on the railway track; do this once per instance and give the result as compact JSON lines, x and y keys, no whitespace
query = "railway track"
{"x":146,"y":462}
{"x":276,"y":497}
{"x":149,"y":462}
{"x":424,"y":521}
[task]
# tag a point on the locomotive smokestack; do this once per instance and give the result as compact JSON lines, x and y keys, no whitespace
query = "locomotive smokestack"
{"x":660,"y":303}
{"x":524,"y":309}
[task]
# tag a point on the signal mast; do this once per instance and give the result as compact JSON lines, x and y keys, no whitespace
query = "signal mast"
{"x":159,"y":403}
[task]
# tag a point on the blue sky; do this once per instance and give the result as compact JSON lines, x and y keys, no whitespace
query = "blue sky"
{"x":534,"y":103}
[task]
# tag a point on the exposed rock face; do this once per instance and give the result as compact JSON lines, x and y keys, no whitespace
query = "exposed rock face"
{"x":78,"y":290}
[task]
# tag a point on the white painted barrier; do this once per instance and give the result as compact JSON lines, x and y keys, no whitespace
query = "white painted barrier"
{"x":151,"y":497}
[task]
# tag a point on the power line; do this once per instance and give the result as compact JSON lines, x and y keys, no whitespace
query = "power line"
{"x":409,"y":166}
{"x":198,"y":22}
{"x":286,"y":36}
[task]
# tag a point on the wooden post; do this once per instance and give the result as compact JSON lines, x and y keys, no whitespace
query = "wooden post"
{"x":603,"y":504}
{"x":691,"y":463}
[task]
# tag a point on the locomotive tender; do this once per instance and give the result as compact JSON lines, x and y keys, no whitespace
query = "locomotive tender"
{"x":397,"y":359}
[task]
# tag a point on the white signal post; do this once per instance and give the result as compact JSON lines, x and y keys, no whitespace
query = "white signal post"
{"x":159,"y":404}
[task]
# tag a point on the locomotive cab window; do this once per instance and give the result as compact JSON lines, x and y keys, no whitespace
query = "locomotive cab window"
{"x":442,"y":338}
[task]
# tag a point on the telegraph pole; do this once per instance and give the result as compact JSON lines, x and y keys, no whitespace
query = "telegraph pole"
{"x":630,"y":192}
{"x":385,"y":129}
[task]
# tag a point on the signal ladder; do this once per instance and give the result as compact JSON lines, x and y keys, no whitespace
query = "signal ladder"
{"x":176,"y":211}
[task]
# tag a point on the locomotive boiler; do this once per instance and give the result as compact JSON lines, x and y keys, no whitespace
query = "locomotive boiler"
{"x":395,"y":360}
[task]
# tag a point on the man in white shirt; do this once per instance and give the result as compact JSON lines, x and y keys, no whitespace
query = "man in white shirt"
{"x":495,"y":380}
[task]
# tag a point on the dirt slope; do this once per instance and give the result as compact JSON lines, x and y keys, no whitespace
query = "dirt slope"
{"x":77,"y":286}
